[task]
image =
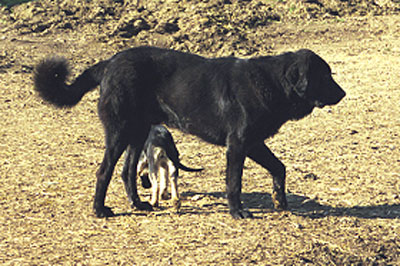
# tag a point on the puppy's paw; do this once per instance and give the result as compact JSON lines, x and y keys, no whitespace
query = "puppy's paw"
{"x":176,"y":203}
{"x":103,"y":212}
{"x":241,"y":214}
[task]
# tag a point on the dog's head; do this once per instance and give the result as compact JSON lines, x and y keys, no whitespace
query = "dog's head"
{"x":309,"y":78}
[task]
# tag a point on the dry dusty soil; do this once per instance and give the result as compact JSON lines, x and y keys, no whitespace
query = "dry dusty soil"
{"x":343,"y":162}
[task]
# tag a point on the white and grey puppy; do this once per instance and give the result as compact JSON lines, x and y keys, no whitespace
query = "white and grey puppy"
{"x":159,"y":160}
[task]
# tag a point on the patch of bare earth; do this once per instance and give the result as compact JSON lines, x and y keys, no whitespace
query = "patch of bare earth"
{"x":343,"y":162}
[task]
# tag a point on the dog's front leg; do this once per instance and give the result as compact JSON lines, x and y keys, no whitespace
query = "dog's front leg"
{"x":262,"y":155}
{"x":235,"y":161}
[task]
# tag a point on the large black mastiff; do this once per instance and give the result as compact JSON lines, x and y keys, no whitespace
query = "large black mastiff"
{"x":225,"y":101}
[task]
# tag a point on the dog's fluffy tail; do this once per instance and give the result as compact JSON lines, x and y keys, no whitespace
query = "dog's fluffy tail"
{"x":50,"y":81}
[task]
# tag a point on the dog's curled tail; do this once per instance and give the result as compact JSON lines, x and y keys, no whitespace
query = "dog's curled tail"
{"x":50,"y":81}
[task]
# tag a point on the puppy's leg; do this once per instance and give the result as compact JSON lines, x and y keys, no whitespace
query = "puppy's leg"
{"x":141,"y":167}
{"x":143,"y":171}
{"x":173,"y":174}
{"x":263,"y":156}
{"x":163,"y":174}
{"x":153,"y":175}
{"x":235,"y":161}
{"x":154,"y":189}
{"x":129,"y":177}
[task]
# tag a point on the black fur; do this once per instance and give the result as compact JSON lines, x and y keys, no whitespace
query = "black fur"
{"x":225,"y":101}
{"x":51,"y":74}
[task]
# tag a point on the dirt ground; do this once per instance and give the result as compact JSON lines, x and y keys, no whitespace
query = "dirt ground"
{"x":343,"y":162}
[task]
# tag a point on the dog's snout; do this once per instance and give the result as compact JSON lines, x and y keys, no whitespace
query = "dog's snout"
{"x":343,"y":93}
{"x":340,"y":94}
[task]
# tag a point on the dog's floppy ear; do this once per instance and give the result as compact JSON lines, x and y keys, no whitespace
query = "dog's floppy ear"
{"x":295,"y":77}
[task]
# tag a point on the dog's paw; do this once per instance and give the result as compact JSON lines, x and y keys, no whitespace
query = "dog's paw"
{"x":143,"y":206}
{"x":103,"y":212}
{"x":279,"y":200}
{"x":241,"y":214}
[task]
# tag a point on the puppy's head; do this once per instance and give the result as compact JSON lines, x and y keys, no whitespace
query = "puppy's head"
{"x":309,"y":77}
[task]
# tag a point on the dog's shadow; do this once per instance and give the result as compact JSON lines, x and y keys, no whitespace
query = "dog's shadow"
{"x":298,"y":205}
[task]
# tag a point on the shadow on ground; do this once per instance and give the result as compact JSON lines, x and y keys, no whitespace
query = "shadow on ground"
{"x":303,"y":206}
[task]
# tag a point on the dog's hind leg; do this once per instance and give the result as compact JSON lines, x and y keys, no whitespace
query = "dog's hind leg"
{"x":154,"y":170}
{"x":262,"y":155}
{"x":115,"y":145}
{"x":163,"y":174}
{"x":173,"y":174}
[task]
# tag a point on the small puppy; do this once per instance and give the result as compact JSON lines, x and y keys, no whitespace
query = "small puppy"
{"x":160,"y":160}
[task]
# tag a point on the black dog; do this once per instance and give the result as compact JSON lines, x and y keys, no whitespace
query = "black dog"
{"x":160,"y":158}
{"x":225,"y":101}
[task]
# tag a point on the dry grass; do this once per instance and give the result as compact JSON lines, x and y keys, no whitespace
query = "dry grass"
{"x":350,"y":214}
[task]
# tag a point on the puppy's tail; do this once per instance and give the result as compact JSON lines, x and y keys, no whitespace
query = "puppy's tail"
{"x":50,"y":81}
{"x":188,"y":169}
{"x":173,"y":154}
